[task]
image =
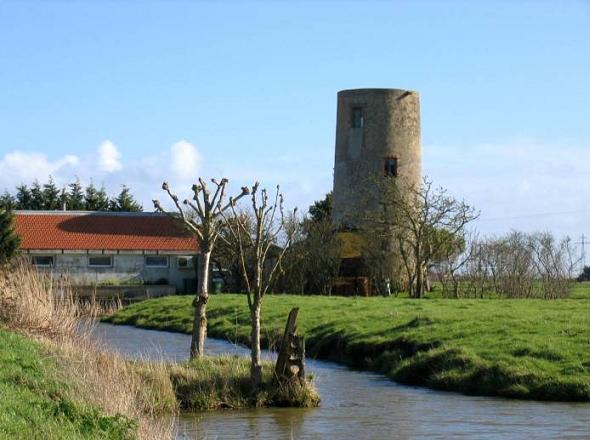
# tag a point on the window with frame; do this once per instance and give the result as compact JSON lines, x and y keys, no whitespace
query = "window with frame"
{"x":390,"y":166}
{"x":184,"y":262}
{"x":358,"y":119}
{"x":42,"y":260}
{"x":156,"y":261}
{"x":100,"y":261}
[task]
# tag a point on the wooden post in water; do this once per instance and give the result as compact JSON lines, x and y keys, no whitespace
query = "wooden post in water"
{"x":291,"y":359}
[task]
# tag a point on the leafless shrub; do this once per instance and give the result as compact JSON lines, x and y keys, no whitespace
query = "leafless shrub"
{"x":312,"y":262}
{"x":519,"y":265}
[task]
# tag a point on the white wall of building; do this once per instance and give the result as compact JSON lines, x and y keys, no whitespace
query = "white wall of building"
{"x":129,"y":268}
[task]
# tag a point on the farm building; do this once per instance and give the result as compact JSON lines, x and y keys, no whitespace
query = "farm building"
{"x":110,"y":248}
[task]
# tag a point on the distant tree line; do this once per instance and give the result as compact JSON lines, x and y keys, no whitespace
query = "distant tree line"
{"x":585,"y":275}
{"x":423,"y":238}
{"x":74,"y":197}
{"x":515,"y":265}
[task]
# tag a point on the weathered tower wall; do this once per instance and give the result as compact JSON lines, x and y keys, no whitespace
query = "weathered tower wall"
{"x":377,"y":134}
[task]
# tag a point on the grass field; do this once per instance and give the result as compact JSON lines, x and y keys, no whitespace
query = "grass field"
{"x":34,"y":404}
{"x":530,"y":349}
{"x":581,"y":291}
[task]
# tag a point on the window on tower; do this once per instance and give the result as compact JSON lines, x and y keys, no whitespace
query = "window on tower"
{"x":390,"y":166}
{"x":358,"y":120}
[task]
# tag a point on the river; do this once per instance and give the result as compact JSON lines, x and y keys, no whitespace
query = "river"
{"x":358,"y":405}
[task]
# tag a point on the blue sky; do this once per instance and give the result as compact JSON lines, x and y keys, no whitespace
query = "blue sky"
{"x":134,"y":92}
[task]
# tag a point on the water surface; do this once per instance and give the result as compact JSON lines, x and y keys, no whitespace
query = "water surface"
{"x":358,"y":405}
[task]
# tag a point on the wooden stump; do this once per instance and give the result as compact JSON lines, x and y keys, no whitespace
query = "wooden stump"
{"x":291,"y":360}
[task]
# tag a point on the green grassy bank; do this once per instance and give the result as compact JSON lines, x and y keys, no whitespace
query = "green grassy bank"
{"x":39,"y":397}
{"x":34,"y":402}
{"x":530,"y":349}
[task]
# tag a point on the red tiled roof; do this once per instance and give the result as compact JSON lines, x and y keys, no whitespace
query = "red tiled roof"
{"x":102,"y":231}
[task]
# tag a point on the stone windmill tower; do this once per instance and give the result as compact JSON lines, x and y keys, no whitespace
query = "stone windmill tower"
{"x":377,"y":134}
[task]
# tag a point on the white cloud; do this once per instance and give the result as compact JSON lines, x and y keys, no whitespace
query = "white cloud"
{"x":509,"y":182}
{"x":109,"y":157}
{"x":23,"y":167}
{"x":179,"y":164}
{"x":185,"y":161}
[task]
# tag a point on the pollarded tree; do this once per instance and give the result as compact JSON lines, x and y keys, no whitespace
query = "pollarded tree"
{"x":9,"y":241}
{"x":202,"y":217}
{"x":261,"y":252}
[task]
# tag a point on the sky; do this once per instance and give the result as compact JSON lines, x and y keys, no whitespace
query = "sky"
{"x":140,"y":92}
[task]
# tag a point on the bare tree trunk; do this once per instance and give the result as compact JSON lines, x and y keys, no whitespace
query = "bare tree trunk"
{"x":256,"y":365}
{"x":291,"y":352}
{"x":456,"y":287}
{"x":419,"y":293}
{"x":200,"y":303}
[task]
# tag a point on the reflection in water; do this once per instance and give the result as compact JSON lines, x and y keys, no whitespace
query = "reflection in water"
{"x":359,"y":405}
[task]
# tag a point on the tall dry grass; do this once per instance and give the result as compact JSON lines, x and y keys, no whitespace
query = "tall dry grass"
{"x":44,"y":308}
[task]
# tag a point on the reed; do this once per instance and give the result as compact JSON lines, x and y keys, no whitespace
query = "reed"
{"x":44,"y":308}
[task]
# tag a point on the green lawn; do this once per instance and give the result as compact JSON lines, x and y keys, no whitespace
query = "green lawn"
{"x":581,"y":291}
{"x":33,"y":403}
{"x":532,"y":349}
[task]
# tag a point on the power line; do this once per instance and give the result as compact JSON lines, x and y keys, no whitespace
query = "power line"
{"x":541,"y":214}
{"x":583,"y":242}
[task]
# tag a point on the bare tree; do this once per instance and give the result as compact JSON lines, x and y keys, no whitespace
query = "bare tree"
{"x":292,"y":276}
{"x":323,"y":256}
{"x":260,"y":253}
{"x":423,"y":221}
{"x":554,"y":265}
{"x":453,"y":260}
{"x":226,"y":255}
{"x":520,"y":265}
{"x":313,"y":260}
{"x":202,"y":216}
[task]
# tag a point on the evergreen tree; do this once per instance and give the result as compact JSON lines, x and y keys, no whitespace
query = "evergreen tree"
{"x":37,"y":199}
{"x":51,"y":196}
{"x":125,"y":202}
{"x":103,"y":202}
{"x":7,"y":202}
{"x":23,"y":197}
{"x":9,"y":241}
{"x":321,"y":209}
{"x":585,"y":275}
{"x":75,"y":197}
{"x":91,"y":201}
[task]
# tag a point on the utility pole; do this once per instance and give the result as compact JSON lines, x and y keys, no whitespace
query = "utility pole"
{"x":583,"y":242}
